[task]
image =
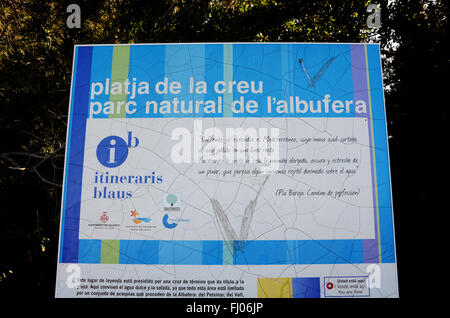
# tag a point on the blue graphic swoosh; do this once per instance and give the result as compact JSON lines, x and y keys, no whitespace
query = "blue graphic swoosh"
{"x":144,"y":219}
{"x":167,"y":224}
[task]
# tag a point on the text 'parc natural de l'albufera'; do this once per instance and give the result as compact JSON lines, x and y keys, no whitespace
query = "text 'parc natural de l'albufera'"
{"x":169,"y":98}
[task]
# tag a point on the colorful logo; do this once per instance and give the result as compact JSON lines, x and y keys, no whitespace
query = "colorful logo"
{"x":166,"y":222}
{"x":137,"y":220}
{"x":104,"y":218}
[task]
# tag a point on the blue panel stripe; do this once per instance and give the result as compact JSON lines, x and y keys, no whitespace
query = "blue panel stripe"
{"x":211,"y":252}
{"x":101,"y":70}
{"x":76,"y":156}
{"x":381,"y":156}
{"x":259,"y":252}
{"x":89,"y":251}
{"x":325,"y":252}
{"x":180,"y":252}
{"x":184,"y":62}
{"x":256,"y":63}
{"x":66,"y":170}
{"x":147,"y":63}
{"x":213,"y":72}
{"x":227,"y":72}
{"x":138,"y":252}
{"x":306,"y":287}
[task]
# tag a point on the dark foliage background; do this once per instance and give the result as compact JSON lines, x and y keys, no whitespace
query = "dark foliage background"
{"x":36,"y":50}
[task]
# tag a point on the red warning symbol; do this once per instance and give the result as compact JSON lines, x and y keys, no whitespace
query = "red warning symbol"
{"x":330,"y":285}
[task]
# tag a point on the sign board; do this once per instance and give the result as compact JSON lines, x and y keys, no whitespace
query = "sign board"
{"x":227,"y":170}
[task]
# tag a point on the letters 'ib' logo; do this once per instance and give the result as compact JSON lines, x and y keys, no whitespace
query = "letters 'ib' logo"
{"x":112,"y":151}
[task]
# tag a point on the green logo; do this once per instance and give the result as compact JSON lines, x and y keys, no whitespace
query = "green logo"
{"x":172,"y":199}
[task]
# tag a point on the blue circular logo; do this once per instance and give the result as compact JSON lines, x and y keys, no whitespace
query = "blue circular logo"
{"x":112,"y":151}
{"x":168,"y":224}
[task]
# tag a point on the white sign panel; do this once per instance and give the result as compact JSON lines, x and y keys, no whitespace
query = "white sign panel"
{"x":227,"y":170}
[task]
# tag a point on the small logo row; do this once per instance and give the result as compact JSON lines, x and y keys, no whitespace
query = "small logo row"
{"x":167,"y":221}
